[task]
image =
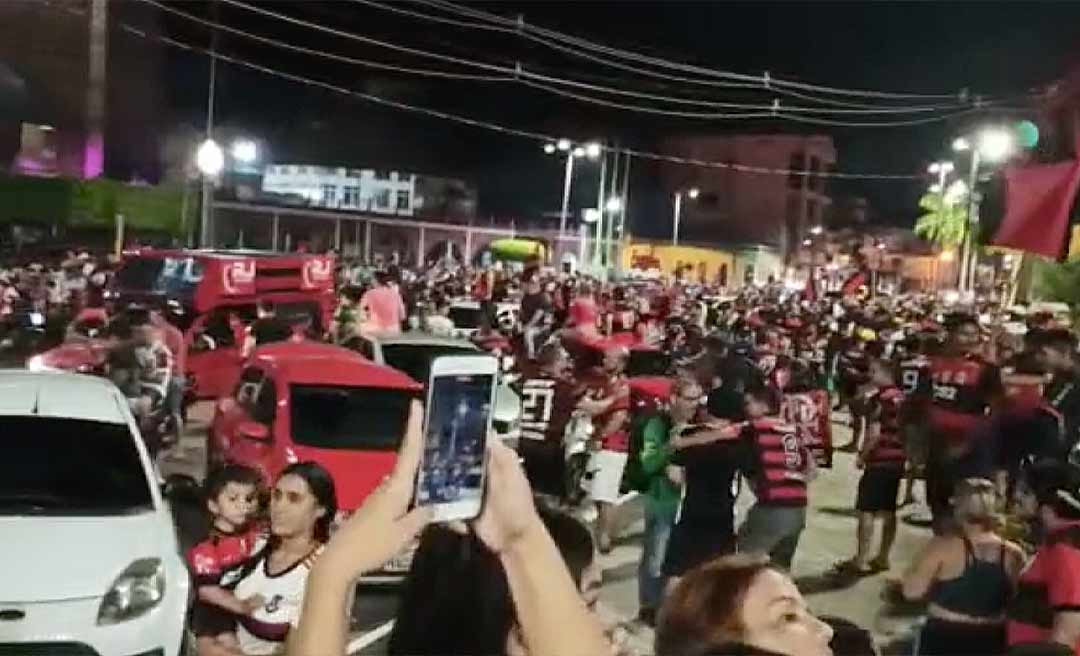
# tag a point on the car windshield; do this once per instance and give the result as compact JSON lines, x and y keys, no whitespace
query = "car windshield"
{"x":54,"y":466}
{"x":415,"y":359}
{"x":466,"y":318}
{"x":357,"y":418}
{"x":648,"y":363}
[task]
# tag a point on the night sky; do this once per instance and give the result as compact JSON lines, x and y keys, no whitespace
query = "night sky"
{"x":994,"y":49}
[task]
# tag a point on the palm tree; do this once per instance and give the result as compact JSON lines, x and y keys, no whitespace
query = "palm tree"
{"x":944,"y":221}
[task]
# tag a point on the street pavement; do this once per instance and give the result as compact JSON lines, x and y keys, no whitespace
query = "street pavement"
{"x":828,"y":538}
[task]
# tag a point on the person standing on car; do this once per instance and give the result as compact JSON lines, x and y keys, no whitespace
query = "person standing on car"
{"x":535,"y":314}
{"x":547,"y":402}
{"x":382,"y":307}
{"x":267,"y":327}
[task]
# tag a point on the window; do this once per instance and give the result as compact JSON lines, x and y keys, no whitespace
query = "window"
{"x":362,"y":346}
{"x":797,"y":165}
{"x":265,"y":406}
{"x":815,"y":180}
{"x":382,"y":175}
{"x":329,"y":195}
{"x":357,"y":418}
{"x":403,"y":200}
{"x":49,"y":468}
{"x":350,"y":196}
{"x":381,"y":199}
{"x":812,"y":217}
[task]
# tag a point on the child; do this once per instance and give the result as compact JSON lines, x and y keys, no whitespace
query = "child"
{"x":231,"y":498}
{"x":882,"y":457}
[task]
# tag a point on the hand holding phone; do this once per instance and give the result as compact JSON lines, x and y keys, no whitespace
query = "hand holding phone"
{"x":460,"y":397}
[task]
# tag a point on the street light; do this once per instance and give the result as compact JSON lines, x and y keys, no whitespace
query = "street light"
{"x":993,"y":145}
{"x":613,"y":205}
{"x":591,"y":150}
{"x":245,"y":151}
{"x":692,"y":193}
{"x":210,"y":158}
{"x":816,"y":230}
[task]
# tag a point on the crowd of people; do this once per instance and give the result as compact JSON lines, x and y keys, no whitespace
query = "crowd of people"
{"x":980,"y":402}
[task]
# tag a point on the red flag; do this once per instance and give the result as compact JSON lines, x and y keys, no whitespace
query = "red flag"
{"x":1037,"y":204}
{"x":852,"y":284}
{"x":810,"y":292}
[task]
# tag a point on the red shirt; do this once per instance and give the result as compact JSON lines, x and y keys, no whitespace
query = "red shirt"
{"x":583,"y":313}
{"x":1050,"y":584}
{"x":219,"y":553}
{"x":618,"y":439}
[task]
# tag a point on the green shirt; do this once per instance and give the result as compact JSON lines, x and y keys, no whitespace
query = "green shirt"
{"x":662,"y":495}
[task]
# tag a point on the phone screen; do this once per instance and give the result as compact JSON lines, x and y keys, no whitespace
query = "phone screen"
{"x":452,"y":471}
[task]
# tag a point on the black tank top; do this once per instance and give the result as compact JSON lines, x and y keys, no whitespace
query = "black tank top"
{"x":981,"y":590}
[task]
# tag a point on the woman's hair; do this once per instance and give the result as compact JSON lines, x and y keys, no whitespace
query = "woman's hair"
{"x":322,"y":488}
{"x":703,"y":614}
{"x":456,"y":598}
{"x":975,"y":502}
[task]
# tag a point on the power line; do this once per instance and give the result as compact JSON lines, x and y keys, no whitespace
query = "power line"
{"x":328,"y":55}
{"x":517,"y":74}
{"x":764,"y":80}
{"x":477,"y":123}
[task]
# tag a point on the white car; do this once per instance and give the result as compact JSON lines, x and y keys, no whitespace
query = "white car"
{"x":89,"y":560}
{"x":412,"y":353}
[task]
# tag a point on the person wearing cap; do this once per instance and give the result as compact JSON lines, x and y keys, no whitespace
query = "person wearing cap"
{"x":1046,"y":607}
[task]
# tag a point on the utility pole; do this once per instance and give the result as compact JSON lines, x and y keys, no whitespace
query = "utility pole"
{"x":597,"y":247}
{"x":206,"y":223}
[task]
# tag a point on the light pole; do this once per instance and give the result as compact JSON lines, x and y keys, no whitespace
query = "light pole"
{"x":591,"y":150}
{"x":992,"y":145}
{"x":210,"y":160}
{"x":691,"y":193}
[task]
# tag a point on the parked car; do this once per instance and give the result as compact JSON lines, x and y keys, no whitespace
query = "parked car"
{"x":89,"y":560}
{"x":299,"y":401}
{"x":412,"y":353}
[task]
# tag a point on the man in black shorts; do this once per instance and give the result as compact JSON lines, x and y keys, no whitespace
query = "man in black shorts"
{"x":882,"y":459}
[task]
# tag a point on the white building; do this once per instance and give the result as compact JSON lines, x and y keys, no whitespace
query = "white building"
{"x":368,"y":190}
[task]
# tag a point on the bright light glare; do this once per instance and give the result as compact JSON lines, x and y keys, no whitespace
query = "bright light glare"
{"x":563,"y":144}
{"x":549,"y":148}
{"x":210,"y":158}
{"x":245,"y":150}
{"x":947,"y":256}
{"x":579,"y":152}
{"x":816,"y":230}
{"x":593,"y":150}
{"x":592,"y":215}
{"x":960,"y":144}
{"x":693,"y":193}
{"x":940,"y":167}
{"x":955,"y":192}
{"x":613,"y":205}
{"x":807,"y":242}
{"x":996,"y":144}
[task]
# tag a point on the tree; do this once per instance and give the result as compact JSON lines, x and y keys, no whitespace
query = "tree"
{"x":1059,"y":281}
{"x":944,"y":221}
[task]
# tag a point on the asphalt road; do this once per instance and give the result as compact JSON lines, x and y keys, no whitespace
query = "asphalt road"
{"x":829,"y":537}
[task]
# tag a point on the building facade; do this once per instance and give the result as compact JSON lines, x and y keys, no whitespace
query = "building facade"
{"x":371,"y":190}
{"x":742,"y":207}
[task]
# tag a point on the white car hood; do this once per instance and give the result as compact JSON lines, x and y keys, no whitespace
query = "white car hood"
{"x":63,"y":558}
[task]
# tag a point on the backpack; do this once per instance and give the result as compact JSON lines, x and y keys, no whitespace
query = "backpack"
{"x":634,"y":478}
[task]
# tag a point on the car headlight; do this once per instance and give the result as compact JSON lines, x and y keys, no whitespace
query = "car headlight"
{"x":139,"y":588}
{"x":37,"y":363}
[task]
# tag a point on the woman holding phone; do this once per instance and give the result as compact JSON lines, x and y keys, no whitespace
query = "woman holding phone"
{"x":551,"y":614}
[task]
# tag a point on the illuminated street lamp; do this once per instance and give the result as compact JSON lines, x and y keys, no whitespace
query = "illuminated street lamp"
{"x":210,"y":158}
{"x":993,"y":145}
{"x":245,"y":151}
{"x":613,"y":205}
{"x":692,"y":193}
{"x":591,"y":150}
{"x":816,"y":230}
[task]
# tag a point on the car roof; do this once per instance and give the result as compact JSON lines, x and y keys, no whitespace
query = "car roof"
{"x":316,"y":363}
{"x":61,"y":395}
{"x":421,"y":338}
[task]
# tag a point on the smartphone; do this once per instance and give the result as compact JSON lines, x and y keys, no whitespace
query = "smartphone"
{"x":457,"y":422}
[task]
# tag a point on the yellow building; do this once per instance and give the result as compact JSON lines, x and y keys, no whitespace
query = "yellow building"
{"x":711,"y":265}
